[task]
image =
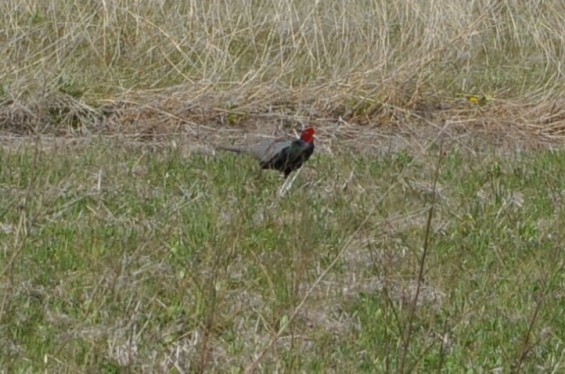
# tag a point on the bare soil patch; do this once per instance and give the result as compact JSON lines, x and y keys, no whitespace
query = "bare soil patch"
{"x":199,"y":125}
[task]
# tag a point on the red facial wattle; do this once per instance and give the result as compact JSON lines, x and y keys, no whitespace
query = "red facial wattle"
{"x":308,"y":135}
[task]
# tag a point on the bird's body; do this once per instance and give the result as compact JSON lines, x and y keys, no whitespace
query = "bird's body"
{"x":280,"y":154}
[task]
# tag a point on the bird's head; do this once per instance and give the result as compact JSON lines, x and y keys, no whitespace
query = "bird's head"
{"x":308,"y":135}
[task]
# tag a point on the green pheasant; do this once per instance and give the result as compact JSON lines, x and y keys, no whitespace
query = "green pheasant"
{"x":282,"y":155}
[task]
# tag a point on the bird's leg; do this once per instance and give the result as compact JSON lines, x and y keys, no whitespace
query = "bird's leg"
{"x":284,"y":188}
{"x":288,"y":183}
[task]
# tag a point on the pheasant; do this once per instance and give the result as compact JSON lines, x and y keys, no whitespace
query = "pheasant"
{"x":282,"y":155}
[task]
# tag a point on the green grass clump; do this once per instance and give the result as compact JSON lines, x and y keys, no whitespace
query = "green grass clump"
{"x":120,"y":256}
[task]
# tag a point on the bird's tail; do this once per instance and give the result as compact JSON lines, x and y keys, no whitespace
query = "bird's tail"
{"x":233,"y":148}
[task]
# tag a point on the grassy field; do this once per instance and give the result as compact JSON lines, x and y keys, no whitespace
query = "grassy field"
{"x":121,"y":256}
{"x":424,"y":235}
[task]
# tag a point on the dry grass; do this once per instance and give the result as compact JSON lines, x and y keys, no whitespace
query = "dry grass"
{"x":158,"y":67}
